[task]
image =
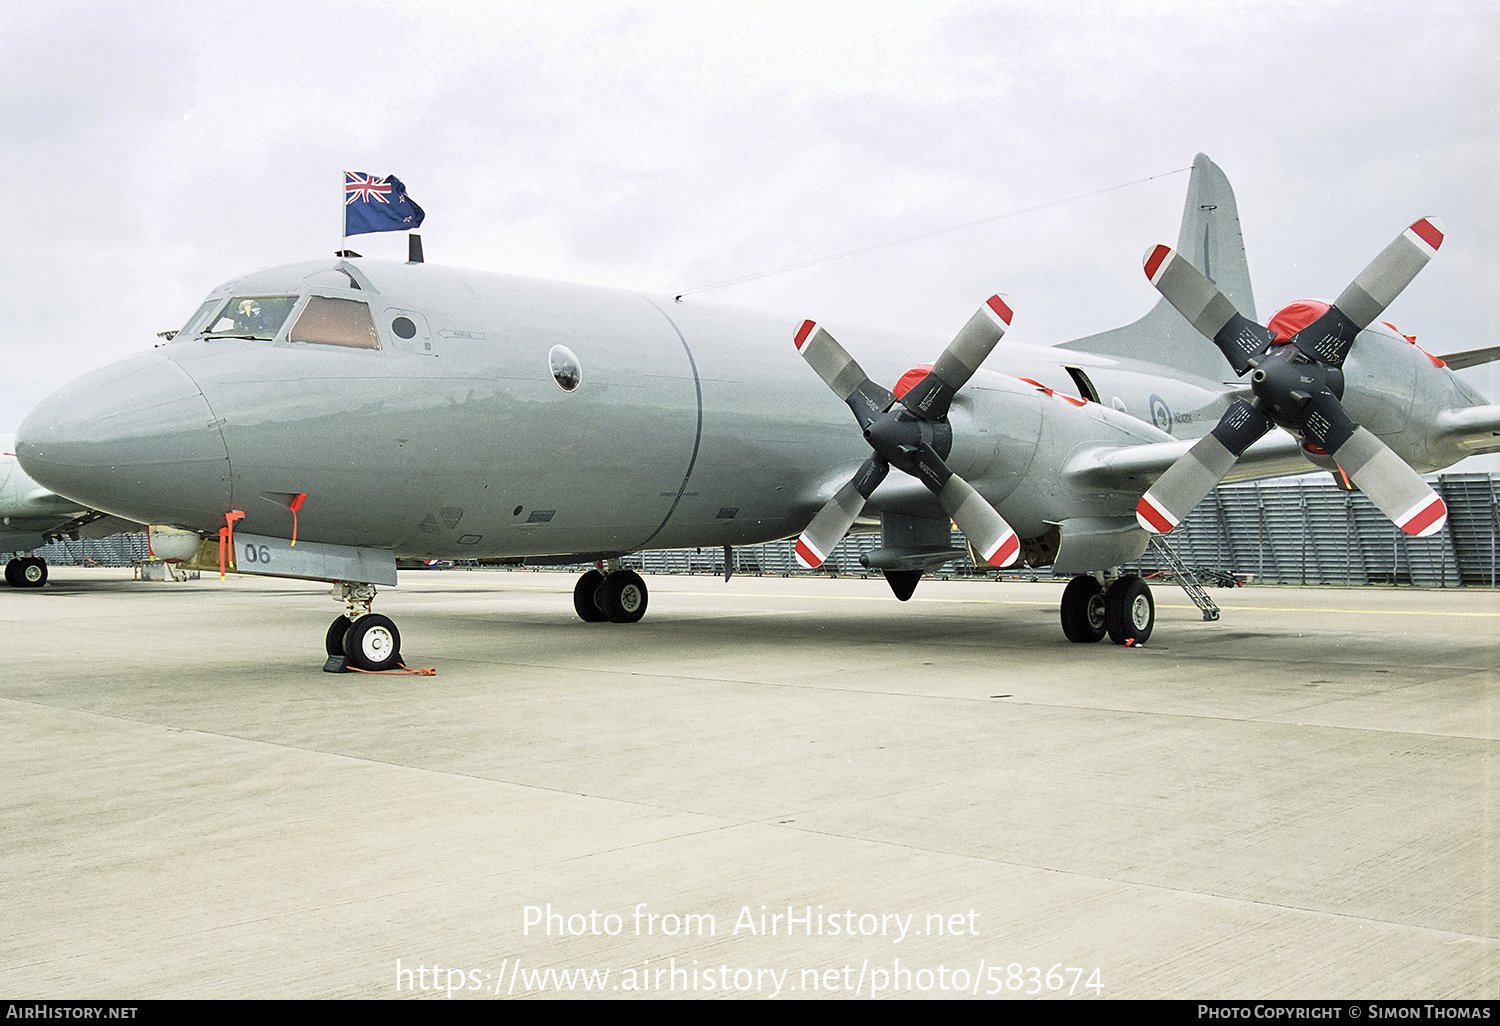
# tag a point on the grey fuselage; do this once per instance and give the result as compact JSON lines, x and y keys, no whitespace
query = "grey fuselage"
{"x":689,"y":426}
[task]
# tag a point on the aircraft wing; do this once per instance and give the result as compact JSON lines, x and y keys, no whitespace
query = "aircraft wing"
{"x":1133,"y":468}
{"x":1475,"y":429}
{"x":30,"y":514}
{"x":24,"y":504}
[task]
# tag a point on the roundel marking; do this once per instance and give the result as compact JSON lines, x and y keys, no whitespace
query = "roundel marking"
{"x":1161,"y":414}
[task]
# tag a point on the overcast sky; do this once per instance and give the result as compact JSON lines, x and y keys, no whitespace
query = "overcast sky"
{"x":153,"y":150}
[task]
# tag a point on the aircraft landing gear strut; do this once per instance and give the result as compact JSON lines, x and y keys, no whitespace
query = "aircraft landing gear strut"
{"x":26,"y":572}
{"x":1124,"y":610}
{"x":610,"y":593}
{"x":360,"y":639}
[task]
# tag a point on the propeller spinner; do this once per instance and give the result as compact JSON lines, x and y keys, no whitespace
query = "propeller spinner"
{"x":1298,"y":382}
{"x":911,"y":433}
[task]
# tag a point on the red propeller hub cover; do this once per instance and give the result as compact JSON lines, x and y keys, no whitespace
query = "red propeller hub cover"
{"x":1293,"y":317}
{"x":911,"y":379}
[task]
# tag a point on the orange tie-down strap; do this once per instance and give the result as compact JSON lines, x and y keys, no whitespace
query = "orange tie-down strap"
{"x":405,"y":670}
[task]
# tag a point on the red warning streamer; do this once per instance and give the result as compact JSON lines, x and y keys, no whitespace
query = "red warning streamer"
{"x":296,"y":504}
{"x":226,"y":537}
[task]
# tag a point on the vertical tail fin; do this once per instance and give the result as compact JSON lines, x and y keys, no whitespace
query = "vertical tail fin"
{"x":1210,"y":235}
{"x":1211,"y":240}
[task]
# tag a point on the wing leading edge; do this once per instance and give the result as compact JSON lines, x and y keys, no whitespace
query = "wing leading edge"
{"x":1126,"y":468}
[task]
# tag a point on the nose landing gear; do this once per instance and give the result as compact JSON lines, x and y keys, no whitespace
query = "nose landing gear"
{"x":360,"y":639}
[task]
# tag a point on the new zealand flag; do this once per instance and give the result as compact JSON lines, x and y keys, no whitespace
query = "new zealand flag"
{"x":378,"y":205}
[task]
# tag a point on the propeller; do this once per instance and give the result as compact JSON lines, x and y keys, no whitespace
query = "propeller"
{"x":910,"y":433}
{"x":1297,"y":380}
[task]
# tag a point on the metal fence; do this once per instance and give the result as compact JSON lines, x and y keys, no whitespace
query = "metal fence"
{"x":1307,"y":530}
{"x":116,"y":550}
{"x":1302,"y":530}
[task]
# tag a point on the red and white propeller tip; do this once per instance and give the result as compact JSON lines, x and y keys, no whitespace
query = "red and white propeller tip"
{"x":1153,"y":517}
{"x":1000,"y":309}
{"x":1425,"y":519}
{"x":804,"y":333}
{"x":1428,"y":232}
{"x":808,"y":557}
{"x":1004,"y":552}
{"x":1154,"y":260}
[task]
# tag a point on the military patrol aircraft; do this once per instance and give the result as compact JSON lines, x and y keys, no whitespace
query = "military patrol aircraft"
{"x":322,"y":419}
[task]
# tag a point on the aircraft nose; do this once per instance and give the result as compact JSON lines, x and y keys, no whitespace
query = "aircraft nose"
{"x":136,"y":439}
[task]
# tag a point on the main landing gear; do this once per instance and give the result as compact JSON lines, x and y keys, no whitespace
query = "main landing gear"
{"x":1124,"y":610}
{"x":26,"y":572}
{"x":614,"y":594}
{"x":360,"y":639}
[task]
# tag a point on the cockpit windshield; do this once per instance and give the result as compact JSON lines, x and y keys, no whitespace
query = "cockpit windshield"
{"x":195,"y":322}
{"x":251,"y":317}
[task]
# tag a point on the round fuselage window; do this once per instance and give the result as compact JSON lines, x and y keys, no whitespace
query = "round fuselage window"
{"x":566,"y":370}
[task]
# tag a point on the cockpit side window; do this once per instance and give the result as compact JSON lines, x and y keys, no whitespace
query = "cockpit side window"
{"x":252,"y":317}
{"x":199,"y":318}
{"x":336,"y":322}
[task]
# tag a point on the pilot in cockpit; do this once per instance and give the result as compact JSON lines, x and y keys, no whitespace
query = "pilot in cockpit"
{"x":249,"y":318}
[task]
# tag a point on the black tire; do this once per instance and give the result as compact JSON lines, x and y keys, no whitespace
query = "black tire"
{"x":333,"y":642}
{"x":583,"y":598}
{"x":13,"y":573}
{"x":622,"y":597}
{"x":1130,"y":611}
{"x":373,"y":643}
{"x":32,"y":573}
{"x":1083,"y":610}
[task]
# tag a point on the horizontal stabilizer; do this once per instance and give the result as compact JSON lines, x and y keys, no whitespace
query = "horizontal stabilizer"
{"x":1471,"y":357}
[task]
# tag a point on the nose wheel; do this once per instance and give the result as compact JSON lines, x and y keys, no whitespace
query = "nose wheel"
{"x":360,"y":639}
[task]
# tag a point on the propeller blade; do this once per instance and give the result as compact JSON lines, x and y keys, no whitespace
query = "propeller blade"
{"x":842,"y":374}
{"x":1205,"y":307}
{"x":931,"y":397}
{"x":980,"y":522}
{"x":1188,"y":481}
{"x":1395,"y":489}
{"x":983,"y":526}
{"x":838,"y":514}
{"x":1329,"y":337}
